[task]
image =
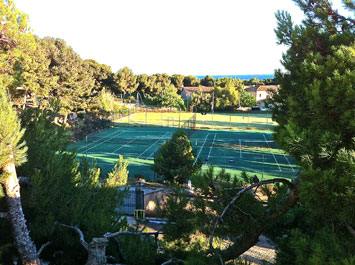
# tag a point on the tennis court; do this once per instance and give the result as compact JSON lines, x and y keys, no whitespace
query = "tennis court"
{"x":219,"y":121}
{"x":234,"y":150}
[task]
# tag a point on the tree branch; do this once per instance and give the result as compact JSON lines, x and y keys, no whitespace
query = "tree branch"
{"x":78,"y":231}
{"x":43,"y":247}
{"x":237,"y":196}
{"x":250,"y":238}
{"x":122,"y":233}
{"x":350,"y":229}
{"x":24,"y":181}
{"x":4,"y":215}
{"x":173,"y":261}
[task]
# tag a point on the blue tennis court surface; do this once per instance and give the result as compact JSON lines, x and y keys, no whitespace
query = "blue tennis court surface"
{"x":236,"y":151}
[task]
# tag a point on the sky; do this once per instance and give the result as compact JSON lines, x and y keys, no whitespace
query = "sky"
{"x":189,"y":37}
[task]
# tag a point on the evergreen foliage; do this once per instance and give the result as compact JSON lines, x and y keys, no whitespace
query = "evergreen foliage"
{"x":208,"y":81}
{"x":191,"y":81}
{"x":169,"y":98}
{"x":125,"y":81}
{"x":74,"y":80}
{"x":119,"y":174}
{"x":246,"y":99}
{"x":227,"y":93}
{"x":191,"y":222}
{"x":202,"y":101}
{"x":146,"y":84}
{"x":65,"y":191}
{"x":16,"y":44}
{"x":10,"y":134}
{"x":315,"y":112}
{"x":175,"y":160}
{"x":178,"y":81}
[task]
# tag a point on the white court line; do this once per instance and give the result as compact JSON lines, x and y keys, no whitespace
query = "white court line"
{"x":198,"y":155}
{"x":211,"y":146}
{"x":289,"y":163}
{"x":100,"y":143}
{"x":272,"y":153}
{"x":103,"y":137}
{"x":240,"y":147}
{"x":142,"y":131}
{"x":124,"y":145}
{"x":154,"y":152}
{"x":152,"y":145}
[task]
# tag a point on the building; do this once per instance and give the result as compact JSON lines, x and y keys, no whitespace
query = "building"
{"x":262,"y":92}
{"x":187,"y":92}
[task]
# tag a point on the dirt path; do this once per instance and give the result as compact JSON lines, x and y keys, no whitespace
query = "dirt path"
{"x":264,"y":252}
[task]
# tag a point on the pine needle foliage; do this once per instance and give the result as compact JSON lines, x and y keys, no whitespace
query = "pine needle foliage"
{"x":175,"y":160}
{"x":10,"y":133}
{"x":315,"y":112}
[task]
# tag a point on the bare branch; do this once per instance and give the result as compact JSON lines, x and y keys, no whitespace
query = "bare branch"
{"x":269,"y":181}
{"x":122,"y":233}
{"x":246,"y":213}
{"x":24,"y":181}
{"x":43,"y":247}
{"x":350,"y":229}
{"x":78,"y":231}
{"x":4,"y":215}
{"x":173,"y":261}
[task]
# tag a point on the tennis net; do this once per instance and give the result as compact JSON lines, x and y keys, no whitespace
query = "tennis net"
{"x":125,"y":141}
{"x":189,"y":125}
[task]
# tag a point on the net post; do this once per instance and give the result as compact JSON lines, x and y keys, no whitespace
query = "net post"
{"x":161,"y":119}
{"x":129,"y":116}
{"x":146,"y":118}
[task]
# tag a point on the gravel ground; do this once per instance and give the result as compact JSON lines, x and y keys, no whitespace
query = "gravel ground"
{"x":263,"y":252}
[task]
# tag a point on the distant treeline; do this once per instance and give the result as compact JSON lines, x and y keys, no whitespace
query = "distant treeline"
{"x":48,"y":69}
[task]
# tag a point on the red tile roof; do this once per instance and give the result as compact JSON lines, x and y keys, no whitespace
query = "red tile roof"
{"x":267,"y":88}
{"x":191,"y":89}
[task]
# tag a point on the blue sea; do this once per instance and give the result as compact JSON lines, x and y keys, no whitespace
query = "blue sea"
{"x":242,"y":77}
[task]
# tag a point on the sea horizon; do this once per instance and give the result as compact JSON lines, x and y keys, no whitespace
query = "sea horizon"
{"x":241,"y":77}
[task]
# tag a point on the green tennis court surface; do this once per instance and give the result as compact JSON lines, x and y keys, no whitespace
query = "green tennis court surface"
{"x":235,"y":151}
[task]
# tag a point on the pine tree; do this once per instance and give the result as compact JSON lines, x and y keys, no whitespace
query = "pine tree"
{"x":315,"y":112}
{"x":126,"y":81}
{"x":12,"y":154}
{"x":64,"y":190}
{"x":175,"y":160}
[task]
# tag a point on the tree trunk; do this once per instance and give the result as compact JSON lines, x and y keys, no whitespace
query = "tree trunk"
{"x":97,"y":251}
{"x":23,"y":242}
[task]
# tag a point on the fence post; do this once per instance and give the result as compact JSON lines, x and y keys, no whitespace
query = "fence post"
{"x":139,"y":199}
{"x":179,"y":117}
{"x":146,"y":118}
